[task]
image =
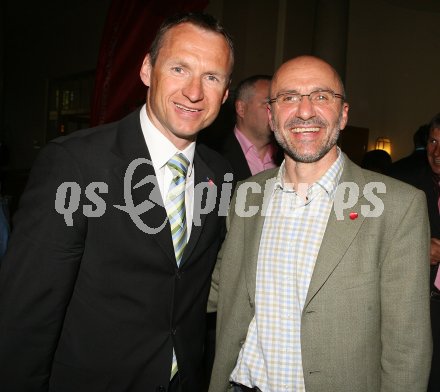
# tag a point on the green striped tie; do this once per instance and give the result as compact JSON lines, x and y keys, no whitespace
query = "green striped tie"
{"x":175,"y":203}
{"x":175,"y":206}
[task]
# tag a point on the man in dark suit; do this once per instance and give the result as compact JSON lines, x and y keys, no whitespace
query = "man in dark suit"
{"x":427,"y":178}
{"x":250,"y":148}
{"x":416,"y":160}
{"x":96,"y":292}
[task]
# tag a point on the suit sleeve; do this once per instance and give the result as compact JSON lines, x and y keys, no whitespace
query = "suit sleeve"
{"x":405,"y":315}
{"x":38,"y":273}
{"x":213,"y":293}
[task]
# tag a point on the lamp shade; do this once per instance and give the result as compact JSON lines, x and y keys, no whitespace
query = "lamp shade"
{"x":383,"y":143}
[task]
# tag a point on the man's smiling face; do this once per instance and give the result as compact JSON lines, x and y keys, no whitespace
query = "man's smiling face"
{"x":305,"y":131}
{"x":188,"y":83}
{"x":433,"y":150}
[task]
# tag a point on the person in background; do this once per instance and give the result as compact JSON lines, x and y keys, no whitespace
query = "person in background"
{"x":322,"y":280}
{"x":112,"y":295}
{"x":377,"y":160}
{"x":416,"y":160}
{"x":427,"y":178}
{"x":251,"y":147}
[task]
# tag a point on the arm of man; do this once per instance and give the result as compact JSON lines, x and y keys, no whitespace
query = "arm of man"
{"x":213,"y":293}
{"x":405,"y":317}
{"x":38,"y":274}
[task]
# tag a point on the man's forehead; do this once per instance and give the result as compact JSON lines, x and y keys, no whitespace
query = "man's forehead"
{"x":262,"y":86}
{"x":181,"y":29}
{"x":181,"y":36}
{"x":435,"y":133}
{"x":303,"y":74}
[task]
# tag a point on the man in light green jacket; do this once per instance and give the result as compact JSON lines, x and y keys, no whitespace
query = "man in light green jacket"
{"x":322,"y":283}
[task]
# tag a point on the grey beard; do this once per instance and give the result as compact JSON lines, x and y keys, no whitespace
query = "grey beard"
{"x":310,"y":158}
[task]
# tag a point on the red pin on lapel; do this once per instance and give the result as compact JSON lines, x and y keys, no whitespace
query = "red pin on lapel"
{"x":353,"y":215}
{"x":210,"y":182}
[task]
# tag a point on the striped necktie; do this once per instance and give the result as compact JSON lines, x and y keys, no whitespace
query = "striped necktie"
{"x":175,"y":203}
{"x":175,"y":207}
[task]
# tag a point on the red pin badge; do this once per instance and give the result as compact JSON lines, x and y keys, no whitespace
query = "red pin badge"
{"x":353,"y":215}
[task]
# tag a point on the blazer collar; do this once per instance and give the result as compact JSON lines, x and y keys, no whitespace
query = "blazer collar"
{"x":253,"y":227}
{"x":340,"y":230}
{"x":129,"y":146}
{"x":337,"y":238}
{"x":204,"y":177}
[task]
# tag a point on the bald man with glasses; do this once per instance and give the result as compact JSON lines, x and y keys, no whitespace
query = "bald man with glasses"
{"x":322,"y":281}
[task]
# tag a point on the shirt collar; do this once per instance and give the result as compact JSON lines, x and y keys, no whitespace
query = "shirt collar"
{"x":245,"y":143}
{"x":161,"y":149}
{"x":329,"y":181}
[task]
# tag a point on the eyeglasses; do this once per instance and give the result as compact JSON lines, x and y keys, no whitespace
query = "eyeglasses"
{"x":318,"y":98}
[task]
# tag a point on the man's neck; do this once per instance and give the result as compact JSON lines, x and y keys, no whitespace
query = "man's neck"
{"x":308,"y":173}
{"x":261,"y":143}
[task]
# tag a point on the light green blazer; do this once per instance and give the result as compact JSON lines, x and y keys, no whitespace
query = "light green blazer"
{"x":365,"y":325}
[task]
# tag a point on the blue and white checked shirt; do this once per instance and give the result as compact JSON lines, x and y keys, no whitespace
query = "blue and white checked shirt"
{"x":270,"y":358}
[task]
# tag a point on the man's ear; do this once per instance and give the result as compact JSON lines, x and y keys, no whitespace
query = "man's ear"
{"x":240,"y":107}
{"x":145,"y":72}
{"x":269,"y":115}
{"x":344,"y":117}
{"x":225,"y":96}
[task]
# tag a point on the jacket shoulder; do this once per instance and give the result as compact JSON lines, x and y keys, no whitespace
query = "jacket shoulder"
{"x":213,"y":159}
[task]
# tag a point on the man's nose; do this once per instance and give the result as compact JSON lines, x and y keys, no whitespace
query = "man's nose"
{"x":193,"y":89}
{"x":305,"y":109}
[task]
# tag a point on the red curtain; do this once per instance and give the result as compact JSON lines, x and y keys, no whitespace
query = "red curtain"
{"x":129,"y":30}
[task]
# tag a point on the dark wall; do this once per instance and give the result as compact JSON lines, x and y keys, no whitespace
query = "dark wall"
{"x":39,"y":41}
{"x":42,"y":40}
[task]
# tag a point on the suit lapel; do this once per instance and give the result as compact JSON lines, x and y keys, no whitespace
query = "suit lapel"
{"x":253,"y":229}
{"x":129,"y":146}
{"x":339,"y":234}
{"x":203,"y":175}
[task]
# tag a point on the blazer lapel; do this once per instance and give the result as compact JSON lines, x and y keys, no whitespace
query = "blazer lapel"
{"x":129,"y":146}
{"x":203,"y":175}
{"x":253,"y":230}
{"x":339,"y":234}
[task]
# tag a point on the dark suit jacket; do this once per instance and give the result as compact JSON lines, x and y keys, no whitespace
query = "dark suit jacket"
{"x":421,"y":178}
{"x":230,"y":148}
{"x":99,"y":306}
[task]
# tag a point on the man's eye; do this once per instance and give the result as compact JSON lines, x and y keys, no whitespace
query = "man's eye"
{"x":288,"y":98}
{"x":177,"y":69}
{"x":213,"y":78}
{"x":321,"y":97}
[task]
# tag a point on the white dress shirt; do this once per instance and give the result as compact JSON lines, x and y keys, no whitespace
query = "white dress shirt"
{"x":161,"y":151}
